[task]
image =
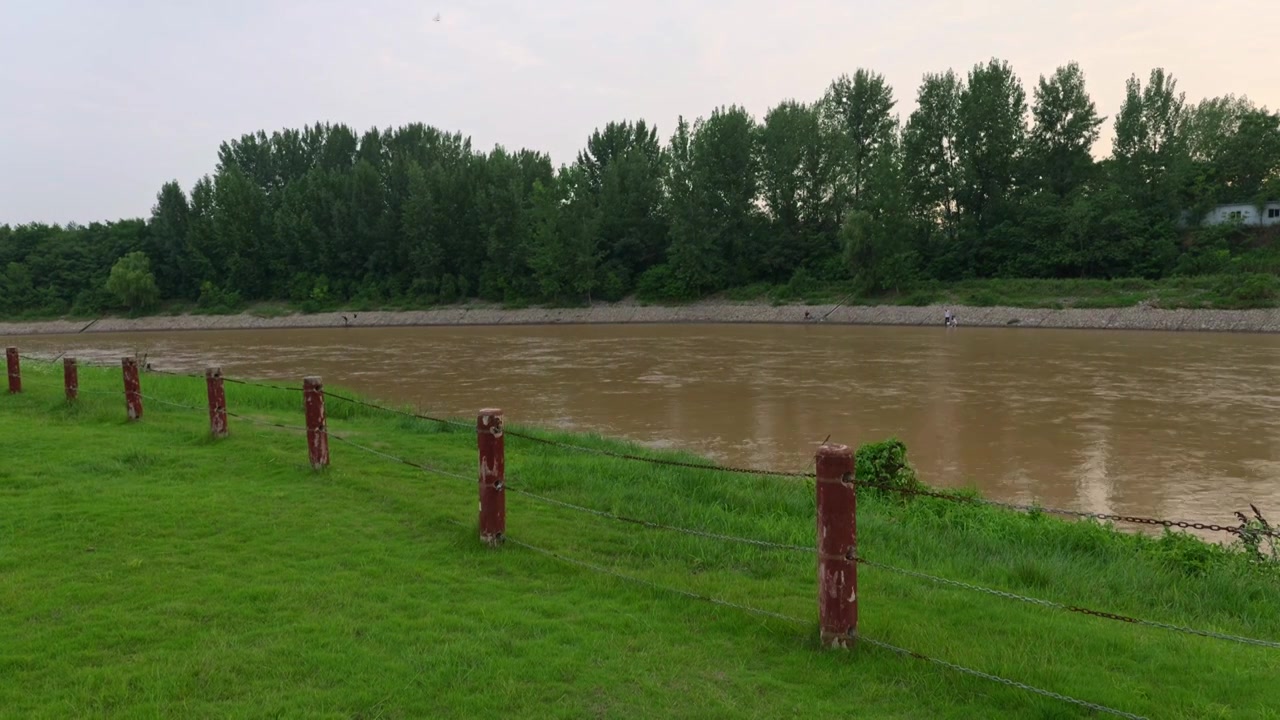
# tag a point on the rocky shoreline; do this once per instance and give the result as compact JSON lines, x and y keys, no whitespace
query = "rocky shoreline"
{"x":1130,"y":318}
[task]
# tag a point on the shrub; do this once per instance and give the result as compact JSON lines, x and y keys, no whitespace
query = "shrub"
{"x":884,"y":465}
{"x":216,"y":300}
{"x":448,"y":289}
{"x":660,"y":283}
{"x":132,"y":282}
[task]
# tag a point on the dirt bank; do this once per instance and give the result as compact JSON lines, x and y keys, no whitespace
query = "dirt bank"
{"x":1130,"y":318}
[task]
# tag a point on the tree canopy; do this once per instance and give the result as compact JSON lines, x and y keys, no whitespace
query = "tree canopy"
{"x":981,"y":179}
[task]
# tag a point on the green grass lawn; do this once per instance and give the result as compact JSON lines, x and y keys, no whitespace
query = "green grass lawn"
{"x":147,"y":571}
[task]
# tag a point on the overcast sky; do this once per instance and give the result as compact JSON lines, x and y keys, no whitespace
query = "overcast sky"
{"x":101,"y":102}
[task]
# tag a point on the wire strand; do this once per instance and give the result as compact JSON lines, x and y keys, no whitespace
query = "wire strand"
{"x":410,"y":463}
{"x":660,"y":526}
{"x":394,"y":411}
{"x":650,"y":583}
{"x":1067,"y":608}
{"x":997,"y":679}
{"x":791,"y":619}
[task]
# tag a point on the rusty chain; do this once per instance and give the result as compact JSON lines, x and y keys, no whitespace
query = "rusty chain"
{"x":170,"y":403}
{"x":1067,"y":608}
{"x":578,"y":448}
{"x":394,"y":411}
{"x":268,"y":386}
{"x":659,"y":526}
{"x":997,"y":679}
{"x":658,"y":461}
{"x":267,"y":423}
{"x":1184,"y":524}
{"x":403,"y":461}
{"x":231,"y":380}
{"x":652,"y":584}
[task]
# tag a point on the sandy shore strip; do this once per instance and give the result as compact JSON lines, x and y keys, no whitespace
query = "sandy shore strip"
{"x":1130,"y":318}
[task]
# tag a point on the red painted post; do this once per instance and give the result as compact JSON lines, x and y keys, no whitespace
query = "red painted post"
{"x":317,"y":430}
{"x":837,"y":546}
{"x":493,"y":474}
{"x":15,"y":370}
{"x":217,"y":402}
{"x":132,"y":388}
{"x":71,"y":378}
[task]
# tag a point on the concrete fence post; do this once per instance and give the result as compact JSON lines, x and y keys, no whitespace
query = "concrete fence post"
{"x":217,"y":402}
{"x":493,"y":473}
{"x":71,"y":378}
{"x":317,"y":430}
{"x":132,"y":388}
{"x":837,"y":546}
{"x":15,"y":370}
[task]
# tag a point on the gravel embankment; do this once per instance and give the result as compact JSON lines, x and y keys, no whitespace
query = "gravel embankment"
{"x":1131,"y":318}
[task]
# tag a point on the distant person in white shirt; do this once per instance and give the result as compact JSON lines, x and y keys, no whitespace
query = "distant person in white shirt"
{"x":949,"y":320}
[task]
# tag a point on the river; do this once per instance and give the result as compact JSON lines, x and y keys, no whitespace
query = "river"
{"x":1181,"y":425}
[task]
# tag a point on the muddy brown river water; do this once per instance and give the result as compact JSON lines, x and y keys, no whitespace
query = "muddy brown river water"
{"x":1180,"y":425}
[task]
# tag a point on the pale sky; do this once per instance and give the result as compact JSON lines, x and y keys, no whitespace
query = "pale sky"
{"x":101,"y":102}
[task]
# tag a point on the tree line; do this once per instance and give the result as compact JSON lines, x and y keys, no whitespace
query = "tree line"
{"x":980,"y":181}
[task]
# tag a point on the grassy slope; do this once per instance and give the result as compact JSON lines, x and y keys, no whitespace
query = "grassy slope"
{"x":146,"y":571}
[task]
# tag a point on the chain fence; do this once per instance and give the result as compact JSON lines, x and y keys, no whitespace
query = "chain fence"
{"x":1067,"y":608}
{"x":1181,"y":524}
{"x":657,"y":461}
{"x":799,"y":621}
{"x":971,"y":500}
{"x":909,"y":491}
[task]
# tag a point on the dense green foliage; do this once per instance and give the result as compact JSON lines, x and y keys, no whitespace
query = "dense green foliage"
{"x":982,"y":180}
{"x":132,"y":282}
{"x":151,"y":572}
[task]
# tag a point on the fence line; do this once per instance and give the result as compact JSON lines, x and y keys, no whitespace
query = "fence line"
{"x":1067,"y":608}
{"x":579,"y":448}
{"x":1184,"y":524}
{"x":940,"y":495}
{"x":800,"y":548}
{"x":858,"y":636}
{"x":810,"y":550}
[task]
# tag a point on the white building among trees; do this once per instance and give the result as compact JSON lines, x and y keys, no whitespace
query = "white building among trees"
{"x":1245,"y":214}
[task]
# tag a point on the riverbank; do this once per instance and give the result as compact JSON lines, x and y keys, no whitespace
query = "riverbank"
{"x":360,"y":576}
{"x":1125,"y":318}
